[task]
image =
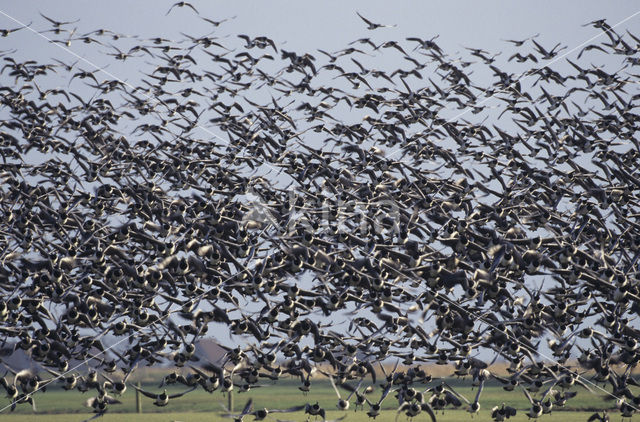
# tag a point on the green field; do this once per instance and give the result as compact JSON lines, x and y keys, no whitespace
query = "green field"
{"x":60,"y":405}
{"x":448,"y":416}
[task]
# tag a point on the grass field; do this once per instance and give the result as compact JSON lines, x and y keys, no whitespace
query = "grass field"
{"x":387,"y":416}
{"x":60,"y":405}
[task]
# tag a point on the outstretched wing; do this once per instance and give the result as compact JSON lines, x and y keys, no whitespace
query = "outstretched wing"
{"x":367,"y":21}
{"x":426,"y":407}
{"x":146,"y":393}
{"x":176,"y":395}
{"x":291,"y":409}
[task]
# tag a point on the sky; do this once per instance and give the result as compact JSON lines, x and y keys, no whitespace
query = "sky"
{"x":328,"y":25}
{"x":306,"y":26}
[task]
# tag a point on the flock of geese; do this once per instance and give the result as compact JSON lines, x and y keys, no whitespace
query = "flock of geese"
{"x":324,"y":214}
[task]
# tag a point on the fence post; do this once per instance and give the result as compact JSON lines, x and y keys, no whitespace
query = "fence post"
{"x":138,"y":399}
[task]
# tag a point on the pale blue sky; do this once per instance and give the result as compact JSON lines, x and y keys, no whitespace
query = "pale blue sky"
{"x":331,"y":24}
{"x":328,"y":25}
